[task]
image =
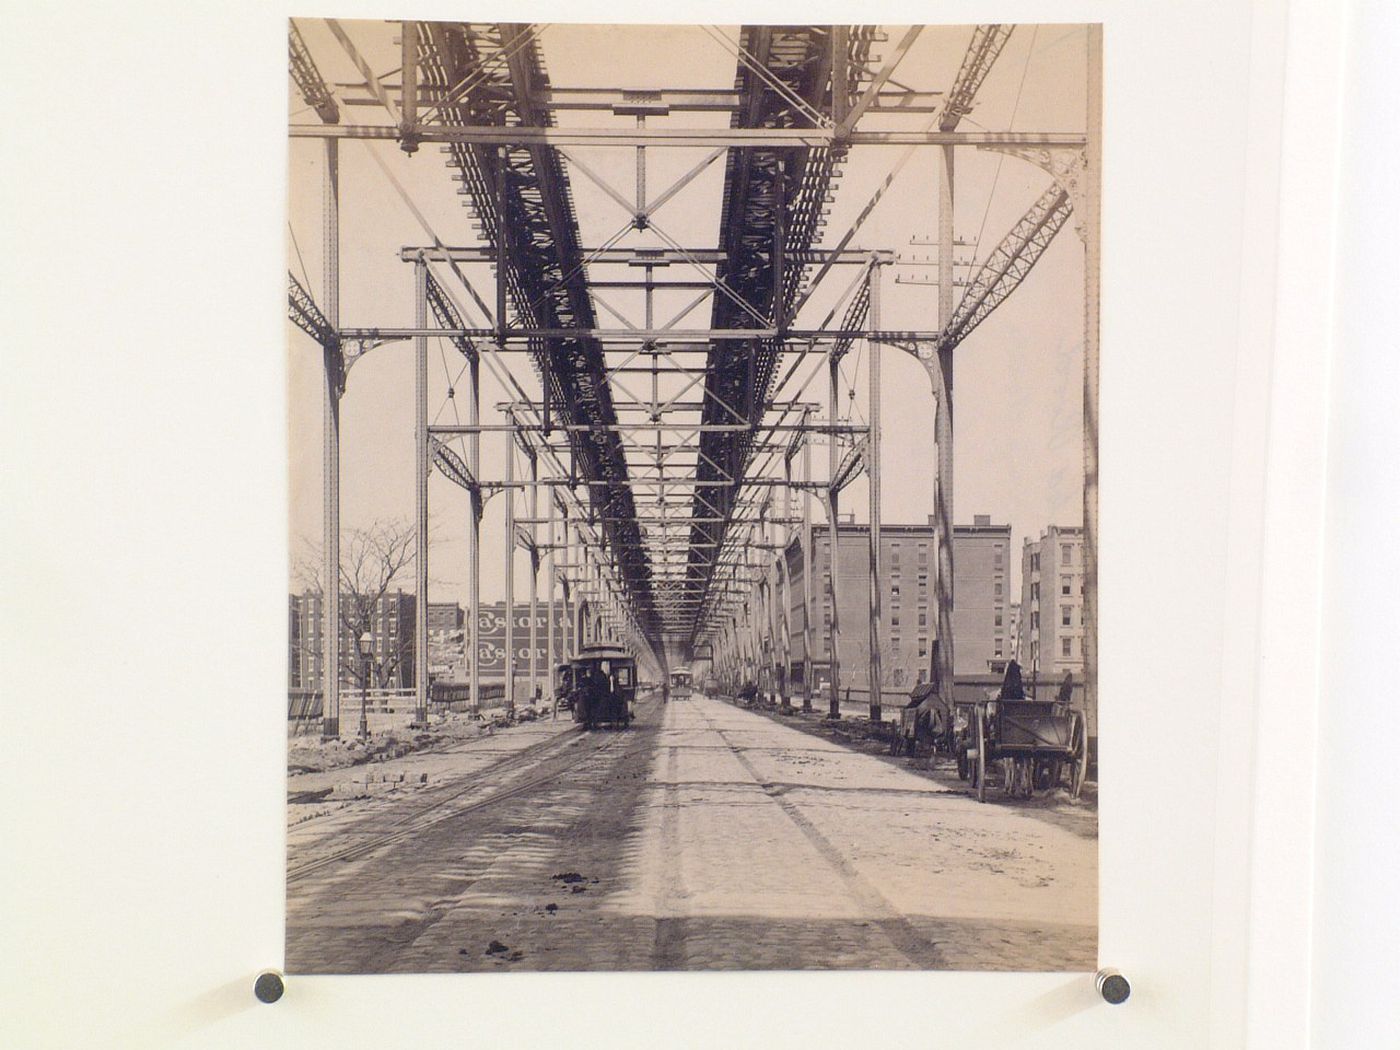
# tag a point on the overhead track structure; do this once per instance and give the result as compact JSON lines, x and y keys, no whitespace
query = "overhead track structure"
{"x":522,"y":198}
{"x":773,"y":210}
{"x":676,"y":507}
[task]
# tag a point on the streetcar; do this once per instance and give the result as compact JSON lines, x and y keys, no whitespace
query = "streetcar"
{"x":681,"y":680}
{"x":604,"y":689}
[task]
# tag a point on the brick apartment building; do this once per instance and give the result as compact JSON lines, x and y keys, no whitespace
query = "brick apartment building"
{"x":982,"y":623}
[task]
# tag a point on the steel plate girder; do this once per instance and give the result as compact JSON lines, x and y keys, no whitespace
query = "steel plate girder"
{"x":771,"y":215}
{"x":521,"y":195}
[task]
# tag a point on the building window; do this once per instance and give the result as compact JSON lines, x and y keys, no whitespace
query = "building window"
{"x":894,"y":620}
{"x":1035,"y":562}
{"x":923,"y":648}
{"x":1065,"y":646}
{"x":1035,"y":592}
{"x":1035,"y":621}
{"x":996,"y":559}
{"x":1065,"y":614}
{"x":1066,"y":553}
{"x":997,"y":651}
{"x":894,"y":589}
{"x":1066,"y":586}
{"x":923,"y":619}
{"x":997,"y":621}
{"x":996,"y":589}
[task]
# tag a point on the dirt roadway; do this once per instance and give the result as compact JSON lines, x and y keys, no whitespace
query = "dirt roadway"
{"x":706,"y":837}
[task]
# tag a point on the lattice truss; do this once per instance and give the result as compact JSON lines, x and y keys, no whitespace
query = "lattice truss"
{"x":674,"y":513}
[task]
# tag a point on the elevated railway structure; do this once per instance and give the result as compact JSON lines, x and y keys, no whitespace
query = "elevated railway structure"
{"x":663,"y":466}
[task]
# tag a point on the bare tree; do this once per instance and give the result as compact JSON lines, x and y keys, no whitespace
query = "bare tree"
{"x":373,"y":561}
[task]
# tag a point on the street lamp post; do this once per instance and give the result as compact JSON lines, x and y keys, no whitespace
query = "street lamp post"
{"x":366,"y":645}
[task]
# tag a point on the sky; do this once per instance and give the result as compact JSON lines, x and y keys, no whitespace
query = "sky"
{"x":1017,"y":389}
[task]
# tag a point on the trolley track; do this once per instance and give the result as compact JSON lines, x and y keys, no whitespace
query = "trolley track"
{"x":398,"y":828}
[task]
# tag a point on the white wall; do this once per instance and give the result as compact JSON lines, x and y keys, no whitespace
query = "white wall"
{"x":144,"y":443}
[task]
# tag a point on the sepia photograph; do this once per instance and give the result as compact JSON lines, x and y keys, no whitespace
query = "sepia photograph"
{"x":693,"y":497}
{"x":677,"y":527}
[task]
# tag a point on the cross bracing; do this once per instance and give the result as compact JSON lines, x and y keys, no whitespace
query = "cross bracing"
{"x":677,"y":482}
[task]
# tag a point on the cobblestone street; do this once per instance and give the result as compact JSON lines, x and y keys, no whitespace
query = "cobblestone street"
{"x":705,"y":837}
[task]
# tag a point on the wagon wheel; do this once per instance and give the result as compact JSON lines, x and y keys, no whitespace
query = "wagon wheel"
{"x":1079,"y":765}
{"x":980,"y":771}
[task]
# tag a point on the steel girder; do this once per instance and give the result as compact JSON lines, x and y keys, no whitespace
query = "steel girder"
{"x":494,"y":75}
{"x":772,"y":212}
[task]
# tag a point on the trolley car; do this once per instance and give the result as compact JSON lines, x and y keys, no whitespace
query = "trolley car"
{"x":681,"y":684}
{"x":604,"y":686}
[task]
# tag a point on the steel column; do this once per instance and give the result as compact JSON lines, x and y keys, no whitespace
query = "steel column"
{"x":474,"y":532}
{"x":534,"y":580}
{"x":833,"y":509}
{"x":551,"y":655}
{"x":408,"y":77}
{"x":330,"y":462}
{"x":943,"y":433}
{"x":510,"y":572}
{"x":872,"y":467}
{"x":785,"y":632}
{"x":1092,"y":172}
{"x":420,"y":619}
{"x":808,"y":567}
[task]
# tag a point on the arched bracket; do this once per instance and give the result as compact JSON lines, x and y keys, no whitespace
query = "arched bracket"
{"x":354,"y":349}
{"x":925,"y":351}
{"x":1067,"y":165}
